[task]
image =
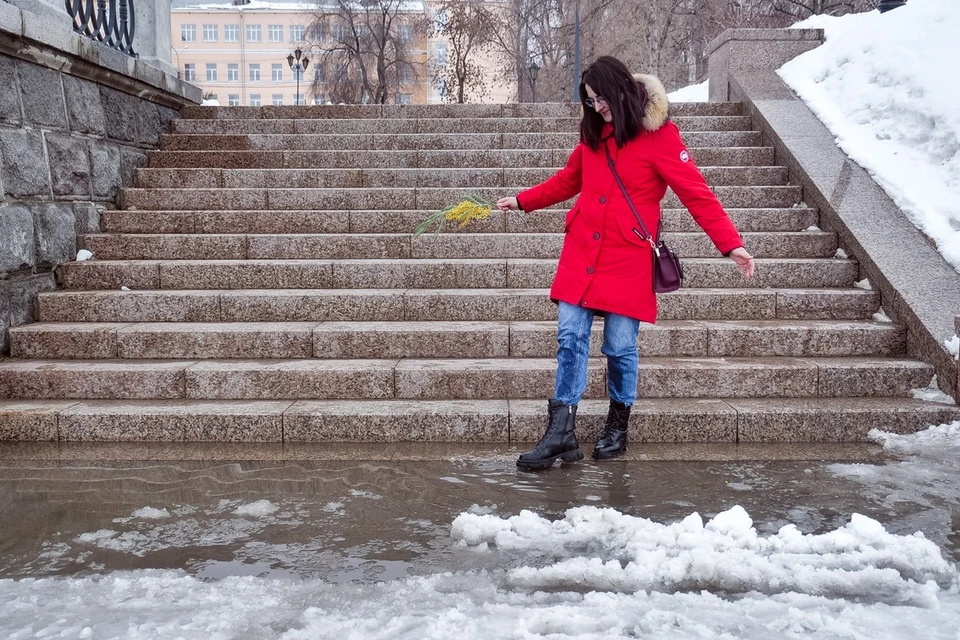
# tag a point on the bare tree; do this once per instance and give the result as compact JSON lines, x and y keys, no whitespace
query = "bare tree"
{"x":807,"y":8}
{"x":366,"y":48}
{"x":468,"y":26}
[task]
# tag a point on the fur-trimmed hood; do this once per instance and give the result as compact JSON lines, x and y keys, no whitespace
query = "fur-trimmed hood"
{"x":657,"y":110}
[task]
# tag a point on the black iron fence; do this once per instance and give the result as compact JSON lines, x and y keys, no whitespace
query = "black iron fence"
{"x":108,"y":21}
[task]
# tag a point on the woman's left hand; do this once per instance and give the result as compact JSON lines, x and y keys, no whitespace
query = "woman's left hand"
{"x":744,"y":261}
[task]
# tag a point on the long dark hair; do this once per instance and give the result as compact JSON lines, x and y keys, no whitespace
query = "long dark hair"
{"x":626,"y":98}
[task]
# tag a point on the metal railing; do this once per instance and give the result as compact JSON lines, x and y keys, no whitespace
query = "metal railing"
{"x":108,"y":21}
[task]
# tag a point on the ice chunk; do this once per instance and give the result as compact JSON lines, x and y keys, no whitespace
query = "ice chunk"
{"x":149,"y":513}
{"x":83,"y":254}
{"x":258,"y":509}
{"x":863,"y":284}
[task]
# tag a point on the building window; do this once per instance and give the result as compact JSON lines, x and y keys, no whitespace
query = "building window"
{"x":254,"y":99}
{"x":233,"y":73}
{"x":404,"y":98}
{"x":277,"y":99}
{"x":404,"y":76}
{"x":275,"y":32}
{"x":188,"y":32}
{"x":231,"y":33}
{"x":210,"y":33}
{"x":319,"y":99}
{"x":276,"y":72}
{"x":298,"y":73}
{"x":298,"y":98}
{"x":341,"y":32}
{"x":296,"y":33}
{"x":405,"y":33}
{"x":254,"y":33}
{"x":443,"y":53}
{"x":254,"y":72}
{"x":211,"y":72}
{"x":318,"y":31}
{"x":190,"y":72}
{"x":233,"y":99}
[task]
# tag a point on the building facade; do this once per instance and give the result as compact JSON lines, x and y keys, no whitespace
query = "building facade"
{"x":236,"y":52}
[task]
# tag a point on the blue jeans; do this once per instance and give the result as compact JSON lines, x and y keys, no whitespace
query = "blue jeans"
{"x":573,"y":349}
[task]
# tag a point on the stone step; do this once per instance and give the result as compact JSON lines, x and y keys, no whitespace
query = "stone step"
{"x":802,"y":244}
{"x":519,"y":421}
{"x":401,"y":198}
{"x":364,"y":340}
{"x":420,"y":141}
{"x":498,"y":273}
{"x":438,"y":379}
{"x":381,"y":221}
{"x":451,"y":111}
{"x":427,"y":159}
{"x":407,"y":178}
{"x":429,"y":125}
{"x":318,"y":305}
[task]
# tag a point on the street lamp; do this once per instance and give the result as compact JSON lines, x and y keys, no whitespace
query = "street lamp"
{"x":179,"y":66}
{"x":298,"y":64}
{"x":533,"y":70}
{"x":887,"y":5}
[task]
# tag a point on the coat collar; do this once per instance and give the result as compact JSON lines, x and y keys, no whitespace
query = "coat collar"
{"x":657,"y":110}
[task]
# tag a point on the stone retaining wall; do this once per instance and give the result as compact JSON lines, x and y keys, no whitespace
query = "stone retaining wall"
{"x":76,"y":119}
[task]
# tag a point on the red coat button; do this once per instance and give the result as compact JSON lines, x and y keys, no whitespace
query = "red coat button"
{"x":589,"y":269}
{"x":596,"y":235}
{"x":602,"y":200}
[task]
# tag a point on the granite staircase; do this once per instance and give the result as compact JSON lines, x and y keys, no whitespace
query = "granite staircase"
{"x":260,"y":282}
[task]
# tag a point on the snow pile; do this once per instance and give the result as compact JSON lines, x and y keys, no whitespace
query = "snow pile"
{"x":691,"y":93}
{"x":881,"y":85}
{"x":726,"y":554}
{"x":953,"y":346}
{"x":647,"y":579}
{"x":940,"y":441}
{"x":83,"y":255}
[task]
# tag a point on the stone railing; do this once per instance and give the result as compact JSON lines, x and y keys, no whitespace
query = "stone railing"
{"x":76,"y":119}
{"x":918,"y":288}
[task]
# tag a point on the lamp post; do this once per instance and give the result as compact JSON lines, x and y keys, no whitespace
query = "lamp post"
{"x":887,"y":5}
{"x":576,"y":55}
{"x":179,"y":66}
{"x":298,"y":64}
{"x":533,"y":70}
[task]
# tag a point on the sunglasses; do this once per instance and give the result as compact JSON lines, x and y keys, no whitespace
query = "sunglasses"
{"x":593,"y":102}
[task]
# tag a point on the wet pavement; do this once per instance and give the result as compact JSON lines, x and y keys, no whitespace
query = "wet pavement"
{"x":412,"y":541}
{"x":366,"y":520}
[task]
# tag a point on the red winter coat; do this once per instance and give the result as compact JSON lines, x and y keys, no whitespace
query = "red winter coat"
{"x":603,"y":264}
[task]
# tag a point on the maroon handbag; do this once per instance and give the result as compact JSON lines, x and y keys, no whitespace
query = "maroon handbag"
{"x":667,"y":270}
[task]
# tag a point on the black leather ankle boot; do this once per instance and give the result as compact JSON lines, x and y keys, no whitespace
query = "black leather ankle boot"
{"x":559,"y":440}
{"x":613,"y":442}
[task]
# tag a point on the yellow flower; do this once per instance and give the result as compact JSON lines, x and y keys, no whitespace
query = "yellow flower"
{"x":463,"y":213}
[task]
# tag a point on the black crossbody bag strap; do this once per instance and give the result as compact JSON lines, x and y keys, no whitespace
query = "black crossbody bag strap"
{"x":646,"y":235}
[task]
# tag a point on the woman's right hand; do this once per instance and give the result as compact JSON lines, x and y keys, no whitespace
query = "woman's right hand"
{"x":507,"y":204}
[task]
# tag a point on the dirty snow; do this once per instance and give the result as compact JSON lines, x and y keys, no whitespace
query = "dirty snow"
{"x":932,"y":393}
{"x":881,"y":316}
{"x":863,"y":284}
{"x":881,"y":85}
{"x":607,"y":575}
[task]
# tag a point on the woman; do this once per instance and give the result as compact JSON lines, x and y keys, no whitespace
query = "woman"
{"x":605,"y":267}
